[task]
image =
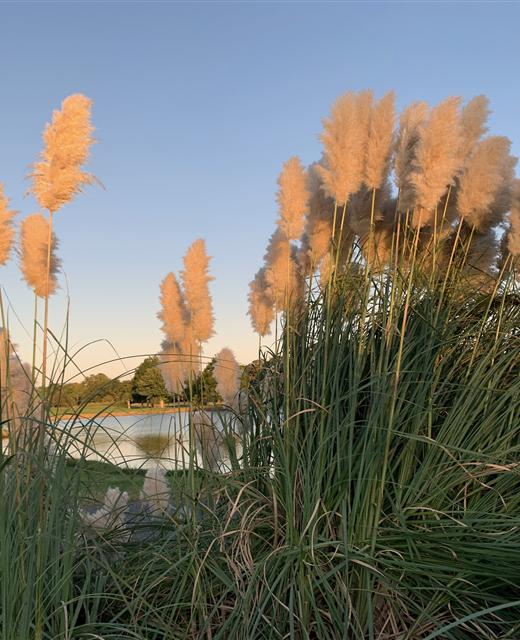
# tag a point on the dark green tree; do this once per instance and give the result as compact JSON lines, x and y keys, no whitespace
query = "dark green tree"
{"x":148,"y":384}
{"x":204,"y":386}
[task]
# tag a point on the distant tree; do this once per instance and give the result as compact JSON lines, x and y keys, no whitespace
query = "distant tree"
{"x":148,"y":384}
{"x":204,"y":386}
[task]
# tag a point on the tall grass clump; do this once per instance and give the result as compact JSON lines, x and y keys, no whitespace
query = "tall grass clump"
{"x":373,"y":484}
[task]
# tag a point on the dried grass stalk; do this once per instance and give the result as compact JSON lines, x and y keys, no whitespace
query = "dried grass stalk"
{"x":345,"y":138}
{"x":6,"y":227}
{"x":58,"y":176}
{"x":227,"y":374}
{"x":292,"y":198}
{"x":195,"y":279}
{"x":380,"y":139}
{"x":513,"y":237}
{"x":410,"y":123}
{"x":482,"y":180}
{"x":438,"y":158}
{"x":261,"y":304}
{"x":33,"y":255}
{"x":473,"y":119}
{"x":173,"y":313}
{"x":282,"y":275}
{"x":156,"y":490}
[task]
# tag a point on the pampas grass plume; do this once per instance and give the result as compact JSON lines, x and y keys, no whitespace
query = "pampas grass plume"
{"x":173,"y":312}
{"x":58,"y":176}
{"x":156,"y":491}
{"x":6,"y":227}
{"x":196,"y":278}
{"x":473,"y":119}
{"x":437,"y":159}
{"x":33,"y":255}
{"x":318,"y":225}
{"x":513,"y":238}
{"x":227,"y":374}
{"x":261,"y":304}
{"x":481,"y":180}
{"x":292,"y":198}
{"x":282,"y":274}
{"x":344,"y":139}
{"x":410,"y":123}
{"x":380,"y":139}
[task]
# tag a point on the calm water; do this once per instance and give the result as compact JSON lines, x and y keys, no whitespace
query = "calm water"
{"x":136,"y":441}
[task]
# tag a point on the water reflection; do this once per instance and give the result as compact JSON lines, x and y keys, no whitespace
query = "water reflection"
{"x":136,"y":442}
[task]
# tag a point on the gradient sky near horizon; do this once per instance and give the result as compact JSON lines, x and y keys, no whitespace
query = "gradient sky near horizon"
{"x":196,"y":107}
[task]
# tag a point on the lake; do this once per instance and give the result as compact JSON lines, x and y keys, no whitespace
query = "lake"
{"x":135,"y":441}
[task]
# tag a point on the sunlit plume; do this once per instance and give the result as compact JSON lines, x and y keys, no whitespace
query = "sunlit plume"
{"x":380,"y":139}
{"x":437,"y":160}
{"x":173,"y":367}
{"x":410,"y":123}
{"x":473,"y":119}
{"x":345,"y":138}
{"x":318,"y":224}
{"x":6,"y":227}
{"x":282,"y":275}
{"x":173,"y":313}
{"x":227,"y":375}
{"x":513,"y":237}
{"x":58,"y":176}
{"x":261,"y":304}
{"x":33,"y":255}
{"x":482,"y":180}
{"x":196,"y":279}
{"x":292,"y":198}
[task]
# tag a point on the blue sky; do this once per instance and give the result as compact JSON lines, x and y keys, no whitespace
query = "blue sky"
{"x":196,"y":107}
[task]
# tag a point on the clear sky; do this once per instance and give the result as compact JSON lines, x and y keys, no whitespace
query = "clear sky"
{"x":196,"y":107}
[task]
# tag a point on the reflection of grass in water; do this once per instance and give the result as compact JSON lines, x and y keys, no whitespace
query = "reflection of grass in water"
{"x":154,"y":446}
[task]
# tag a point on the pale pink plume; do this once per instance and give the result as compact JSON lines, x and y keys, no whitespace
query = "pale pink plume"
{"x":173,"y":313}
{"x":410,"y":123}
{"x":318,"y":224}
{"x":6,"y":227}
{"x":282,"y":275}
{"x":227,"y":373}
{"x":380,"y":140}
{"x":513,"y":237}
{"x":345,"y":138}
{"x":437,"y":160}
{"x":482,"y":180}
{"x":58,"y":176}
{"x":292,"y":198}
{"x":196,"y":278}
{"x":261,"y":304}
{"x":360,"y":207}
{"x":473,"y":122}
{"x":156,"y":490}
{"x":33,"y":255}
{"x":173,"y":367}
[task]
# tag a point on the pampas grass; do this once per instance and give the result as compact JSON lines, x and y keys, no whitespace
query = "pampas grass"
{"x":261,"y":304}
{"x":344,"y":138}
{"x":37,"y":272}
{"x":58,"y":176}
{"x":380,"y":139}
{"x":410,"y":125}
{"x":173,"y":313}
{"x":6,"y":227}
{"x":437,"y":159}
{"x":196,"y":279}
{"x":292,"y":198}
{"x":513,"y":237}
{"x":156,"y":491}
{"x":282,"y":274}
{"x":227,"y":375}
{"x":481,"y":181}
{"x":473,"y":123}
